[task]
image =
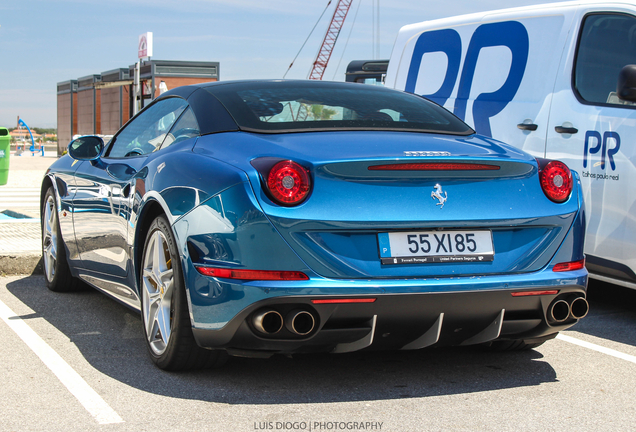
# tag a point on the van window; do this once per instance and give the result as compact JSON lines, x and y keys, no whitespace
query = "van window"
{"x":607,"y":43}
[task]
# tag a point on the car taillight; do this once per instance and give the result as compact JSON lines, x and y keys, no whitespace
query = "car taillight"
{"x":288,"y":183}
{"x":569,"y":266}
{"x":556,"y":180}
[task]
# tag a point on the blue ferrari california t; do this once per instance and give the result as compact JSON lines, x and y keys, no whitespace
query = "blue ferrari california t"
{"x":261,"y":217}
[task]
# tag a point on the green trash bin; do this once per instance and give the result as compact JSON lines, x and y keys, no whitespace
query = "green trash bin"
{"x":5,"y":143}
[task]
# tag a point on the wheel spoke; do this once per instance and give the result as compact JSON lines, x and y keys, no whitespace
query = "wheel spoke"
{"x":163,"y":321}
{"x":154,"y":308}
{"x":166,"y":278}
{"x":49,"y":261}
{"x":157,"y":258}
{"x":47,"y":220}
{"x":53,"y":250}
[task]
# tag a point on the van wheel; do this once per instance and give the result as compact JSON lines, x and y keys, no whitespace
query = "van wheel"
{"x":165,"y":315}
{"x":56,"y":270}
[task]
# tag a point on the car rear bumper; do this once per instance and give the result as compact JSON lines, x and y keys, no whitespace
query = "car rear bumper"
{"x":463,"y":314}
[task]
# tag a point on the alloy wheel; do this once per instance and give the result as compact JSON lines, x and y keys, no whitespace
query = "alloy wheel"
{"x":158,"y":292}
{"x":49,"y":238}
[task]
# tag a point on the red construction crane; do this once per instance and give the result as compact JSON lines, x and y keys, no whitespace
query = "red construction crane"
{"x":328,"y":43}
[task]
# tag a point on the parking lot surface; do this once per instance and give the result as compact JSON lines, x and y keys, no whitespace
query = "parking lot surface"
{"x":558,"y":386}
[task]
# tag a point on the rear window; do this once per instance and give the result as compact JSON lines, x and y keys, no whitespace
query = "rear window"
{"x":300,"y":106}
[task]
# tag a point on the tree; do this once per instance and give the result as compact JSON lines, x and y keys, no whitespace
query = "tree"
{"x":322,"y":113}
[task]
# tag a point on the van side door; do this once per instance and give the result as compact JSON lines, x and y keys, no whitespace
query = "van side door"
{"x":591,"y":130}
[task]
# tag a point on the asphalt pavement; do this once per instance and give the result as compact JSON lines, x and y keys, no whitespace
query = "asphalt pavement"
{"x":108,"y":383}
{"x":20,"y":237}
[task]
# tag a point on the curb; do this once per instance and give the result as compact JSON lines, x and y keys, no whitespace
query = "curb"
{"x":21,"y":264}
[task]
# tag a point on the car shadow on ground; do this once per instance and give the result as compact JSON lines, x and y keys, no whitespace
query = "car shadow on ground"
{"x":612,"y":313}
{"x":109,"y":336}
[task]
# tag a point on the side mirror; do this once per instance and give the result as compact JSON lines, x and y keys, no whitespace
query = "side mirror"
{"x":88,"y":147}
{"x":626,"y":87}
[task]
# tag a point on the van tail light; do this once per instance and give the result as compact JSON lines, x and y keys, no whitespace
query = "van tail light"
{"x":288,"y":183}
{"x":556,"y":179}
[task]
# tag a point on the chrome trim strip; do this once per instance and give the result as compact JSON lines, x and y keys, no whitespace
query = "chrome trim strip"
{"x":119,"y":291}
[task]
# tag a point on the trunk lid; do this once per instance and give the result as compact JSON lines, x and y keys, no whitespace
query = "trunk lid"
{"x":359,"y":198}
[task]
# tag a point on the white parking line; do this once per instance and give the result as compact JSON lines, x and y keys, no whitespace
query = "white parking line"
{"x":608,"y":351}
{"x":93,"y":402}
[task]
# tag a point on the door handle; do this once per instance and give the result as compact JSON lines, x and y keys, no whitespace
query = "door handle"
{"x":527,"y":126}
{"x":566,"y":129}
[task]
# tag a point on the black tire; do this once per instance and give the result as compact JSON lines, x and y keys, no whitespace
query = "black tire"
{"x":164,"y":303}
{"x":57,"y":273}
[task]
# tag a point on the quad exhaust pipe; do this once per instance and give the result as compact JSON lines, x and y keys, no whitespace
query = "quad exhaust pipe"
{"x":300,"y":322}
{"x":579,"y":308}
{"x":561,"y":310}
{"x":270,"y":322}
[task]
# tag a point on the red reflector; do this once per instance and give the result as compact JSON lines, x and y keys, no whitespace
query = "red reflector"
{"x":568,"y":266}
{"x":339,"y":300}
{"x":433,"y":167}
{"x":251,"y":274}
{"x":534,"y":293}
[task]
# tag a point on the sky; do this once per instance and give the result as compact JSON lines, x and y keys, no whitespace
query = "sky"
{"x":43,"y":42}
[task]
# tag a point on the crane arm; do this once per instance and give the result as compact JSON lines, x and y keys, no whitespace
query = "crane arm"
{"x":328,"y":43}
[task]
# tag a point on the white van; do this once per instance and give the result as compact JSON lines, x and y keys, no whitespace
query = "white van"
{"x":544,"y":78}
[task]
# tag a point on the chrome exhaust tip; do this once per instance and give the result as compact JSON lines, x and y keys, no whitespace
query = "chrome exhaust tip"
{"x":559,"y":311}
{"x":300,"y":322}
{"x":579,"y":308}
{"x":268,"y":322}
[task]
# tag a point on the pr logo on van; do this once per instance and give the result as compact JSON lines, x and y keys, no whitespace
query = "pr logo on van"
{"x":511,"y":34}
{"x":595,"y":144}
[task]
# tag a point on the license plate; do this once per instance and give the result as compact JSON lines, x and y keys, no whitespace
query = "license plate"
{"x":421,"y":247}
